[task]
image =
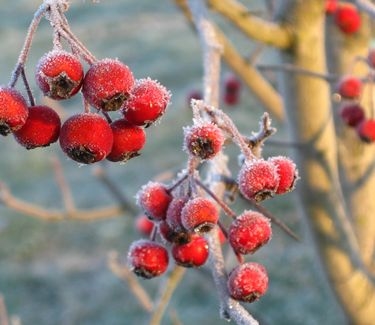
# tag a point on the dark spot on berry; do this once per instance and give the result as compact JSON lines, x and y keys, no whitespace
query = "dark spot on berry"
{"x":204,"y":227}
{"x":129,"y":155}
{"x":61,"y":86}
{"x":4,"y":128}
{"x":263,"y":195}
{"x":202,"y":148}
{"x":82,"y":155}
{"x":252,"y":297}
{"x":114,"y":103}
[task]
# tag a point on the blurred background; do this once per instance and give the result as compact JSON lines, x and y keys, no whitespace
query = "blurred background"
{"x":56,"y":273}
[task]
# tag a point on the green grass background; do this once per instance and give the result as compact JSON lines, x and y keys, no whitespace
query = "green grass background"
{"x":56,"y":273}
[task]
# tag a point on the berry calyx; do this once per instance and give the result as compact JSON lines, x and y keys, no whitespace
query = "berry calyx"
{"x":13,"y":110}
{"x":86,"y":137}
{"x":147,"y":102}
{"x":258,"y":179}
{"x":287,"y":173}
{"x":59,"y":74}
{"x":42,"y":128}
{"x":203,"y":140}
{"x":107,"y":84}
{"x":248,"y":282}
{"x":352,"y":114}
{"x":191,"y":254}
{"x":199,"y":215}
{"x":347,"y":18}
{"x":154,"y":199}
{"x":128,"y":140}
{"x":366,"y":130}
{"x":349,"y":87}
{"x":249,"y":231}
{"x":147,"y":258}
{"x":171,"y":235}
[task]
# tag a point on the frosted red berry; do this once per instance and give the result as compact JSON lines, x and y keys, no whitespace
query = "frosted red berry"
{"x":171,"y":235}
{"x":248,"y":282}
{"x":13,"y":110}
{"x":352,"y":114}
{"x":42,"y":128}
{"x":107,"y":84}
{"x":199,"y":215}
{"x":203,"y":140}
{"x":347,"y":18}
{"x":147,"y":258}
{"x":258,"y":179}
{"x":174,"y":213}
{"x":287,"y":173}
{"x":86,"y":137}
{"x":350,"y":87}
{"x":249,"y":231}
{"x":147,"y":102}
{"x":154,"y":199}
{"x":144,"y":225}
{"x":191,"y":254}
{"x":232,"y":88}
{"x":128,"y":140}
{"x":59,"y":74}
{"x":366,"y":130}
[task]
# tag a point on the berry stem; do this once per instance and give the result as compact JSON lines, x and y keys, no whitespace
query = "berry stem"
{"x":27,"y":86}
{"x":177,"y":183}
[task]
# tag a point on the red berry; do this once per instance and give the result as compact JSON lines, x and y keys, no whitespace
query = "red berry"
{"x":86,"y":137}
{"x":191,"y":254}
{"x":107,"y":84}
{"x":13,"y":110}
{"x":248,"y":282}
{"x":249,"y":231}
{"x":154,"y":199}
{"x":203,"y":140}
{"x":347,"y":18}
{"x":199,"y":215}
{"x":146,"y":103}
{"x":147,"y":258}
{"x":331,"y":6}
{"x":349,"y":87}
{"x":174,"y":214}
{"x":258,"y":179}
{"x":171,"y":235}
{"x":371,"y":58}
{"x":352,"y":114}
{"x":232,"y":87}
{"x":287,"y":172}
{"x":144,"y":225}
{"x":128,"y":140}
{"x":42,"y":128}
{"x":59,"y":74}
{"x":366,"y":130}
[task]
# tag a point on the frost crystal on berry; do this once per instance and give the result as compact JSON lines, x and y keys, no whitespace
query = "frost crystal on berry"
{"x":287,"y":172}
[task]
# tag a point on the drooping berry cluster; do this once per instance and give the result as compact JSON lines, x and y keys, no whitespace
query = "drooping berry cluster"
{"x":107,"y":86}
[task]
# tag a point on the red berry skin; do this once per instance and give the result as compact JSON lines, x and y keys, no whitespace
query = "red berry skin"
{"x":287,"y":172}
{"x":347,"y":19}
{"x":203,"y":141}
{"x":147,"y":258}
{"x":147,"y":102}
{"x":249,"y":231}
{"x":248,"y":282}
{"x":258,"y":179}
{"x":128,"y":140}
{"x":349,"y":87}
{"x":352,"y":114}
{"x":144,"y":225}
{"x":191,"y":254}
{"x":154,"y":199}
{"x":86,"y":137}
{"x":42,"y":128}
{"x":366,"y":130}
{"x":107,"y":84}
{"x":13,"y":110}
{"x":174,"y":213}
{"x":199,"y":215}
{"x":232,"y":87}
{"x":59,"y":74}
{"x":331,"y":6}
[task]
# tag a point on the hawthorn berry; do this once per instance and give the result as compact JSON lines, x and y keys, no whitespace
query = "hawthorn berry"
{"x":352,"y":114}
{"x":59,"y":74}
{"x":349,"y":87}
{"x":331,"y":6}
{"x":147,"y":258}
{"x":203,"y":140}
{"x":13,"y":110}
{"x":248,"y":282}
{"x":86,"y":137}
{"x":199,"y":215}
{"x":191,"y":254}
{"x":347,"y":18}
{"x":147,"y":102}
{"x":287,"y":172}
{"x":128,"y":140}
{"x":174,"y":212}
{"x":171,"y":235}
{"x":232,"y":87}
{"x":144,"y":225}
{"x":42,"y":128}
{"x":249,"y":231}
{"x":258,"y":179}
{"x":366,"y":130}
{"x":107,"y":84}
{"x":154,"y":199}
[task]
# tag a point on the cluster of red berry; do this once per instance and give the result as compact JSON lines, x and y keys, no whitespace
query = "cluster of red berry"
{"x":346,"y":16}
{"x":182,"y":213}
{"x":108,"y":85}
{"x":350,"y":89}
